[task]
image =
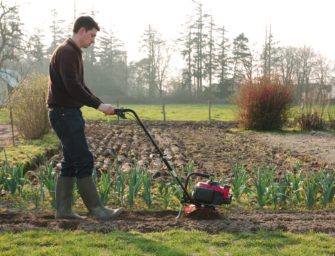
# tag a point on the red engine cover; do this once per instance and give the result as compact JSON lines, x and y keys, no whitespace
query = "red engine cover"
{"x":223,"y":190}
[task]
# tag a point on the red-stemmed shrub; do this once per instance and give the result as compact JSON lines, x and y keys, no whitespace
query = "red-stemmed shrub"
{"x":263,"y":105}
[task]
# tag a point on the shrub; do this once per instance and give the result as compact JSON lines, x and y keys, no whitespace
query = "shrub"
{"x":28,"y":103}
{"x":263,"y":105}
{"x":311,"y":121}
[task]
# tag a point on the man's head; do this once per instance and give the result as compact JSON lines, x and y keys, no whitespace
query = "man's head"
{"x":84,"y":31}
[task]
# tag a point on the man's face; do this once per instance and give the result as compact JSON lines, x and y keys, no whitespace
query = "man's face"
{"x":88,"y":37}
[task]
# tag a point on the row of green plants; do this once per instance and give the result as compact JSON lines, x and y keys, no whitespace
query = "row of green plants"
{"x":37,"y":186}
{"x":137,"y":188}
{"x":294,"y":190}
{"x":131,"y":189}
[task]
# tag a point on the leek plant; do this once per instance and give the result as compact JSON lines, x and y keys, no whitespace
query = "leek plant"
{"x":33,"y":194}
{"x":104,"y":187}
{"x":283,"y":191}
{"x":274,"y":193}
{"x":240,"y":182}
{"x":12,"y":178}
{"x":48,"y":178}
{"x":262,"y":182}
{"x":327,"y":187}
{"x":295,"y":181}
{"x":134,"y":181}
{"x":165,"y":192}
{"x":311,"y":188}
{"x":146,"y":194}
{"x":120,"y":184}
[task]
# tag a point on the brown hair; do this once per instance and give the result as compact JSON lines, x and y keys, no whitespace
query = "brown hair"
{"x":87,"y":22}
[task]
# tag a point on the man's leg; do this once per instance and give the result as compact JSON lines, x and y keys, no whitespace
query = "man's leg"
{"x":65,"y":182}
{"x":75,"y":144}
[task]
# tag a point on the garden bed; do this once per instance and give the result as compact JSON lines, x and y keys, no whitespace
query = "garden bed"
{"x":213,"y":148}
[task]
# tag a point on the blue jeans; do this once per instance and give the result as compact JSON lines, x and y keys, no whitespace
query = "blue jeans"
{"x":69,"y":126}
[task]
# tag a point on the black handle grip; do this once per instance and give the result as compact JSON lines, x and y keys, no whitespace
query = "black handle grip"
{"x":204,"y":175}
{"x":120,"y":112}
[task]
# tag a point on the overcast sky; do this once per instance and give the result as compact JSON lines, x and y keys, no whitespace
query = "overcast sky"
{"x":294,"y":22}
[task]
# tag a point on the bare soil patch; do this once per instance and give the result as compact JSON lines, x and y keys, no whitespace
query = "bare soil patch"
{"x":147,"y":221}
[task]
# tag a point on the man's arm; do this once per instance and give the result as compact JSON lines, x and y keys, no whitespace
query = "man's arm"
{"x":69,"y":72}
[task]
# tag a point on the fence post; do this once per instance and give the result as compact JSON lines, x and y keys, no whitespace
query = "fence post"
{"x":209,"y":110}
{"x":163,"y":112}
{"x":118,"y":106}
{"x":11,"y":123}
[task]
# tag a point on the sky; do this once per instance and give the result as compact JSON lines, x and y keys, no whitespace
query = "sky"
{"x":293,"y":22}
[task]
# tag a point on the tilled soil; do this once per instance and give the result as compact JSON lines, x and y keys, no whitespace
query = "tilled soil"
{"x":213,"y":148}
{"x":145,"y":221}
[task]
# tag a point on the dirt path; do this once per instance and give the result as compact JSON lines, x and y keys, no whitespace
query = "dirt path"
{"x":318,"y":145}
{"x":6,"y":135}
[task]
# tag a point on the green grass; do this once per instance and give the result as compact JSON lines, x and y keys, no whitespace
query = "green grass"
{"x":4,"y":116}
{"x":174,"y":112}
{"x":164,"y":243}
{"x":27,"y":151}
{"x":177,"y":112}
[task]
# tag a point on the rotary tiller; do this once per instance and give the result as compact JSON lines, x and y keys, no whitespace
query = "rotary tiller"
{"x":205,"y":195}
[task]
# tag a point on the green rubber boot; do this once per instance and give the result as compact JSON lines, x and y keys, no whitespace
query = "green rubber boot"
{"x":64,"y":198}
{"x":89,"y":194}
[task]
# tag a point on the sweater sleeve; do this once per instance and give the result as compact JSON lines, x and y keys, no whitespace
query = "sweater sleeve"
{"x":69,"y":72}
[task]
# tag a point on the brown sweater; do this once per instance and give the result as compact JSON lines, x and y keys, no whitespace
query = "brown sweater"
{"x":66,"y":79}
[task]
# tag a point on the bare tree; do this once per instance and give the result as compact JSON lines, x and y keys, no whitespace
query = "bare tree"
{"x":162,"y":62}
{"x":322,"y":77}
{"x":287,"y":62}
{"x":158,"y":58}
{"x":303,"y":70}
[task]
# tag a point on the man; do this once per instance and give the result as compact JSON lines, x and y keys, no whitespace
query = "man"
{"x":67,"y":94}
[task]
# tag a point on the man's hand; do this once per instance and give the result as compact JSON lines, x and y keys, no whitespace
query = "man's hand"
{"x":107,"y":109}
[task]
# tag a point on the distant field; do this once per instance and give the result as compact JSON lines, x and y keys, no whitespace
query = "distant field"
{"x":177,"y":112}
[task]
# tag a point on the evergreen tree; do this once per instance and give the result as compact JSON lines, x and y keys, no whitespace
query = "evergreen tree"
{"x":58,"y":31}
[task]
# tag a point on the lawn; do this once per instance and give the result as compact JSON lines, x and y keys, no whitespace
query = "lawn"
{"x":174,"y":112}
{"x":175,"y":242}
{"x":177,"y":112}
{"x":28,"y":151}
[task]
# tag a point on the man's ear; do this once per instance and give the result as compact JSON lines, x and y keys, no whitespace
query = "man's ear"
{"x":81,"y":31}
